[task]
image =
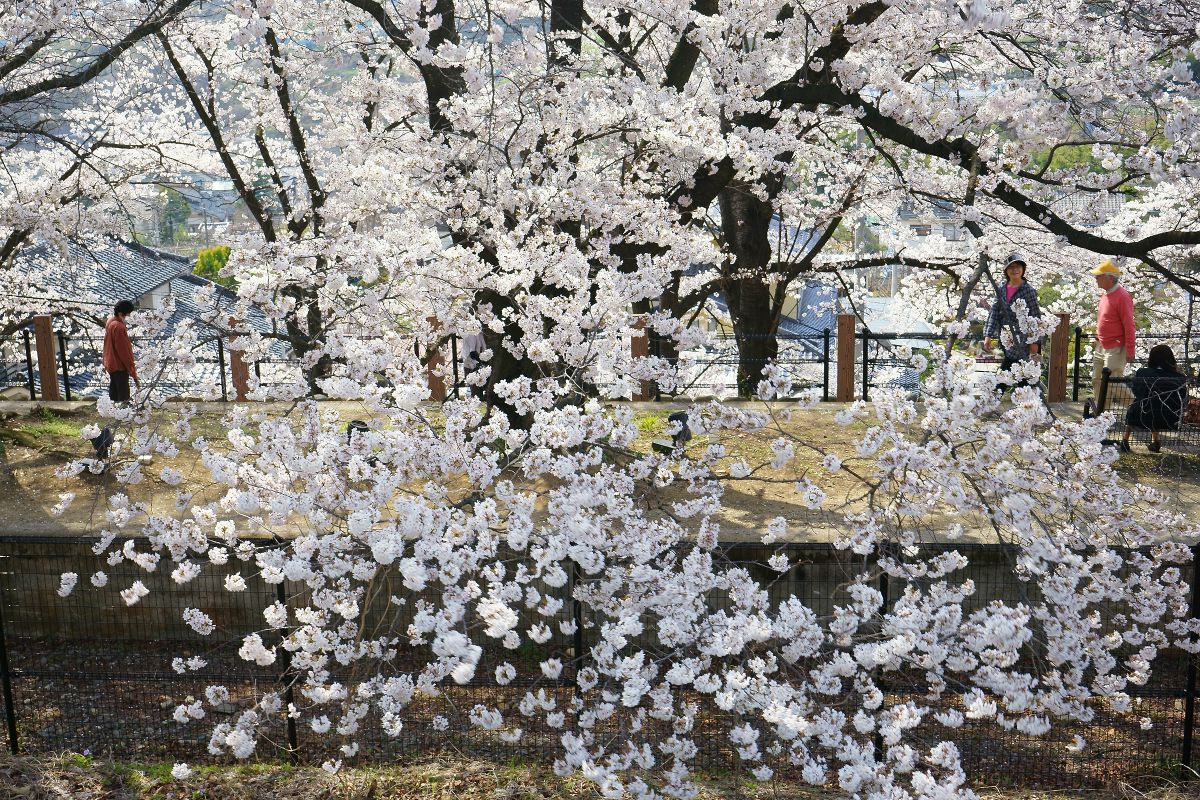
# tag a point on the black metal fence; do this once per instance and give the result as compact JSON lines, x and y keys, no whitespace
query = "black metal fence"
{"x":1081,"y":367}
{"x":88,"y":674}
{"x":17,"y":368}
{"x":808,"y":359}
{"x":1147,"y":417}
{"x":80,"y":370}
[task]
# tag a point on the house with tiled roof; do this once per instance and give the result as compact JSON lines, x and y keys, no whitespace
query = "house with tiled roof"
{"x":77,"y":283}
{"x":94,"y":274}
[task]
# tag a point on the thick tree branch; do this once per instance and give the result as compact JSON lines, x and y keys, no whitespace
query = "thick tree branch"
{"x":960,"y":151}
{"x":685,"y":55}
{"x":244,"y":190}
{"x":316,"y":195}
{"x":440,"y":83}
{"x":22,"y":58}
{"x":149,"y":27}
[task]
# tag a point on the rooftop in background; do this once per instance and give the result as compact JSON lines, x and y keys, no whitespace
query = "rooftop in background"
{"x":79,"y":283}
{"x":93,"y":273}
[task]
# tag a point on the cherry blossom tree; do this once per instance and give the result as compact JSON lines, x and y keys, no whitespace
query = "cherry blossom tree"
{"x":549,"y":177}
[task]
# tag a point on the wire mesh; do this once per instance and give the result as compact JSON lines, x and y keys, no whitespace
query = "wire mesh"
{"x":16,"y":364}
{"x":90,"y":674}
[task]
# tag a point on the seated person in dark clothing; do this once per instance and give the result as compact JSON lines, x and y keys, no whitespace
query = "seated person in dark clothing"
{"x":1159,"y":392}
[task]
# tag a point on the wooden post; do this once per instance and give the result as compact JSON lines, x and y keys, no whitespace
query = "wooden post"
{"x":845,"y":357}
{"x":239,"y":373}
{"x":239,"y":370}
{"x":1056,"y":379}
{"x":639,"y":347}
{"x":43,"y":333}
{"x":434,"y":378}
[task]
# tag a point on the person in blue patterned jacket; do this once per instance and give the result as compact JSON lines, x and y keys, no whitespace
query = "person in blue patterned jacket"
{"x":1003,"y":320}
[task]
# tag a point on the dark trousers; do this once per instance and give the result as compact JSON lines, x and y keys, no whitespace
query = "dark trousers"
{"x":118,"y":386}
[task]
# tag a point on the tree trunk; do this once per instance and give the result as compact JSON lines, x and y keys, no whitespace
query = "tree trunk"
{"x":504,"y":365}
{"x":755,"y":326}
{"x":746,"y":225}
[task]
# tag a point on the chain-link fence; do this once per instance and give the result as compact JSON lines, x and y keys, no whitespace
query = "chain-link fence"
{"x":87,"y":673}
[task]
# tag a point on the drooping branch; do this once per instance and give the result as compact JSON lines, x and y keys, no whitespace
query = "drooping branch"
{"x":840,"y":265}
{"x":960,"y":151}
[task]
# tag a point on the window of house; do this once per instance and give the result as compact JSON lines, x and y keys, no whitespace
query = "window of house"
{"x":922,"y":230}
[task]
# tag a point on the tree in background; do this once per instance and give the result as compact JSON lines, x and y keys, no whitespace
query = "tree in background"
{"x":172,"y":215}
{"x":209,"y":262}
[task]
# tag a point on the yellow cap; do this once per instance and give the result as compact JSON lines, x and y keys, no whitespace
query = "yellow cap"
{"x":1107,"y":268}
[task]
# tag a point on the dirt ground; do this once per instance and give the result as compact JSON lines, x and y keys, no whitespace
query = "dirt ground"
{"x":79,"y":777}
{"x":36,"y":439}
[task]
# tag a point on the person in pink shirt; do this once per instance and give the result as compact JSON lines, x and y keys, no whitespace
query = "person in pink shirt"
{"x":1115,"y":333}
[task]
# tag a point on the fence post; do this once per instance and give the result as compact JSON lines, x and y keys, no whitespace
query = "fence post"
{"x":1189,"y":708}
{"x":639,"y":347}
{"x":288,"y":678}
{"x":43,"y":334}
{"x":435,"y":382}
{"x":577,"y":617}
{"x":62,"y":357}
{"x":10,"y":708}
{"x":1056,"y":379}
{"x":866,"y":334}
{"x":221,"y":369}
{"x":239,"y":370}
{"x":882,"y":552}
{"x":29,"y":365}
{"x":654,"y":342}
{"x":845,"y":358}
{"x":825,"y":366}
{"x":1079,"y":350}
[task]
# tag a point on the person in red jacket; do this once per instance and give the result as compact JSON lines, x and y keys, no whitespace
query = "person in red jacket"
{"x":1115,"y":334}
{"x":118,"y":353}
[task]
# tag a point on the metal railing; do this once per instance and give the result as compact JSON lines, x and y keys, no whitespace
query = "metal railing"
{"x":883,"y":364}
{"x":714,"y":368}
{"x":1082,"y":369}
{"x":17,"y":363}
{"x":809,"y":360}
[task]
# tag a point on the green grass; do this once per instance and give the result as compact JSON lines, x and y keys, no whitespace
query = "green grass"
{"x":651,"y":424}
{"x":46,"y":424}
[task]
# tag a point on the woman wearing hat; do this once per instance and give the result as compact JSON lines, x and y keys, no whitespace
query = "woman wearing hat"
{"x":1004,"y":317}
